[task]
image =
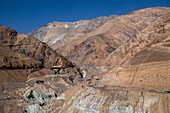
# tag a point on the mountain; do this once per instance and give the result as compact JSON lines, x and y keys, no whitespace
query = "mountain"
{"x":137,"y":82}
{"x":26,"y":62}
{"x":68,"y":31}
{"x":104,"y":40}
{"x":95,"y":47}
{"x":12,"y":63}
{"x":128,"y":59}
{"x":22,"y":54}
{"x":31,"y":47}
{"x":147,"y":61}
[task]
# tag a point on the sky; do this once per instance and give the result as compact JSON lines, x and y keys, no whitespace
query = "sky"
{"x":28,"y":15}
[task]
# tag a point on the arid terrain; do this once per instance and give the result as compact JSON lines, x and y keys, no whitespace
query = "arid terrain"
{"x":115,"y":64}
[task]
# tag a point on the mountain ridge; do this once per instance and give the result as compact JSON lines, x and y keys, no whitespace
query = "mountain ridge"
{"x":117,"y":31}
{"x":26,"y":54}
{"x":47,"y":33}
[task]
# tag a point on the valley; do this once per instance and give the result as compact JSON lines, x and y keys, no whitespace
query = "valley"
{"x":114,"y":64}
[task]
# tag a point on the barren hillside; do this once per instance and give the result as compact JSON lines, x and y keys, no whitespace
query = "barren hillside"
{"x":125,"y":68}
{"x":57,"y":34}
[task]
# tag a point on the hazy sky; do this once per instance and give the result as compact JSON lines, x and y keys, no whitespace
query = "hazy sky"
{"x":28,"y":15}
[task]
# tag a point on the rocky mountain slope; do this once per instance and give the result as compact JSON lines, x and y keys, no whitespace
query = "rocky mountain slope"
{"x":133,"y":54}
{"x":147,"y":61}
{"x":110,"y":38}
{"x":31,"y":47}
{"x":12,"y":63}
{"x":25,"y":62}
{"x":103,"y":41}
{"x":139,"y":82}
{"x":67,"y":31}
{"x":22,"y":55}
{"x":94,"y":49}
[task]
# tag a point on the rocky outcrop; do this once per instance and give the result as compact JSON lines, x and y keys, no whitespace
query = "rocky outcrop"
{"x":36,"y":94}
{"x":15,"y":67}
{"x":14,"y":60}
{"x":115,"y":100}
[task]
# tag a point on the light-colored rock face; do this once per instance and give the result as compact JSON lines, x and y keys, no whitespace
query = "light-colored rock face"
{"x":56,"y":31}
{"x":57,"y":95}
{"x":36,"y":95}
{"x":93,"y":100}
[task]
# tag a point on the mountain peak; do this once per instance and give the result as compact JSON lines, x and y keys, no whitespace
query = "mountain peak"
{"x":55,"y":31}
